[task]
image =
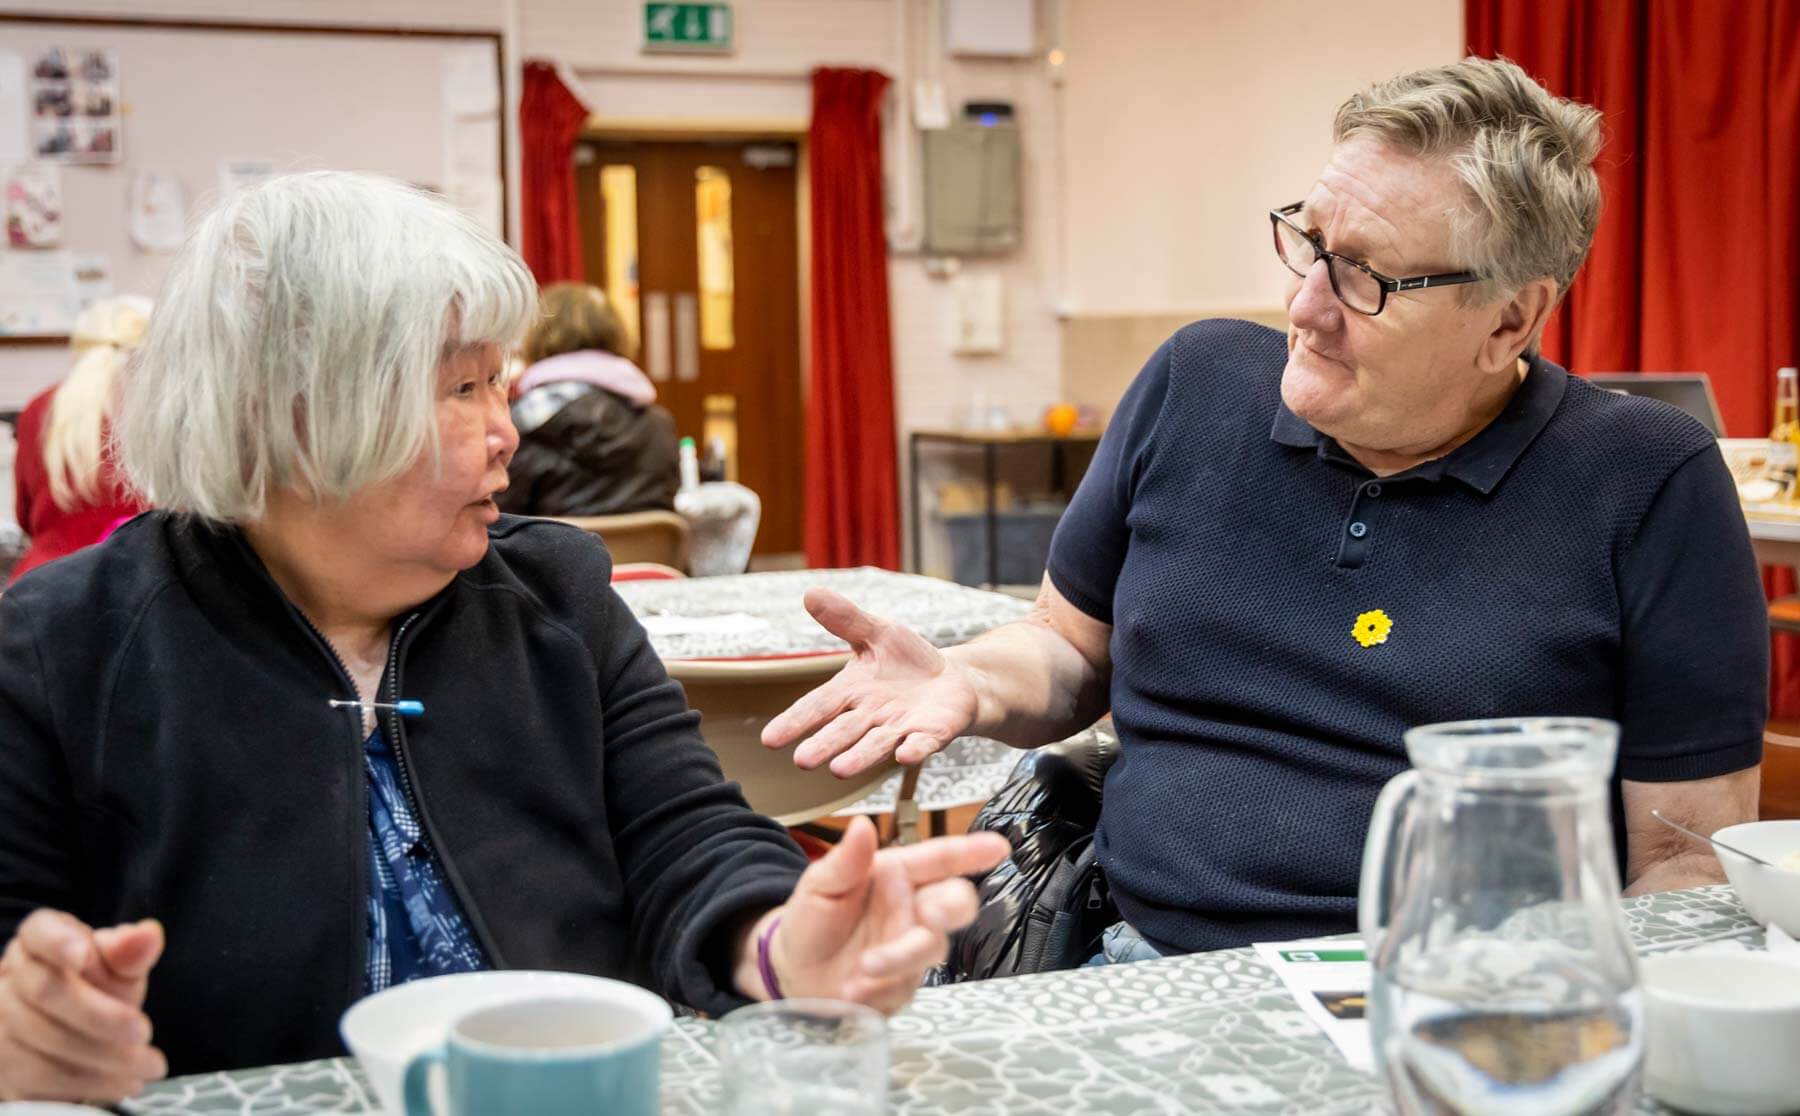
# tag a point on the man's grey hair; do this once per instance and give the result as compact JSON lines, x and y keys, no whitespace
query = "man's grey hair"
{"x":1526,"y":158}
{"x":297,"y":342}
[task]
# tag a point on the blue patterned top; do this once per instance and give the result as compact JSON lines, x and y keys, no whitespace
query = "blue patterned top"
{"x":416,"y":928}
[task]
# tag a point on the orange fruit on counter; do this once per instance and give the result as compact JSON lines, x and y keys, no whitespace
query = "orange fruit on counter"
{"x":1060,"y":419}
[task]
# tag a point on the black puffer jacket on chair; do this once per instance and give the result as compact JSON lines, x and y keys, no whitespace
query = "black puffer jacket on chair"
{"x":1044,"y":907}
{"x":584,"y":450}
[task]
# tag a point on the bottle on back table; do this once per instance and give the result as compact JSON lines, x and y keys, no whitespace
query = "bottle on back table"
{"x":1784,"y":436}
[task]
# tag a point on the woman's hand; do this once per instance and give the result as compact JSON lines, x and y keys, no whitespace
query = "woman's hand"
{"x":72,"y":1025}
{"x":864,"y":925}
{"x":899,"y":696}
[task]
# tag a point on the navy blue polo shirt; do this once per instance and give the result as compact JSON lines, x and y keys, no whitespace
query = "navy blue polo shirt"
{"x":1280,"y":616}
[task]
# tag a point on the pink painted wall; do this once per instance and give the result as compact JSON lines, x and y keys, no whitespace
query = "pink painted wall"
{"x":1188,"y":122}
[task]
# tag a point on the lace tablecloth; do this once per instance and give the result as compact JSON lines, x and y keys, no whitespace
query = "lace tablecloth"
{"x":761,"y":614}
{"x":756,"y":615}
{"x":1202,"y":1035}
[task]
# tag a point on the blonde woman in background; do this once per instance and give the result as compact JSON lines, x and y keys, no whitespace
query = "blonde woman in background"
{"x":68,"y":493}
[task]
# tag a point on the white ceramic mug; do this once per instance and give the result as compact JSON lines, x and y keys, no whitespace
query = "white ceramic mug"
{"x":385,"y":1030}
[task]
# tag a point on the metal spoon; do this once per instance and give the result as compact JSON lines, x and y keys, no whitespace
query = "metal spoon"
{"x":1657,"y":814}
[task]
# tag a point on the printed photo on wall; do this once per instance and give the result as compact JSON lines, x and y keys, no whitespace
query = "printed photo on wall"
{"x":158,"y":216}
{"x":34,"y":209}
{"x":76,"y":116}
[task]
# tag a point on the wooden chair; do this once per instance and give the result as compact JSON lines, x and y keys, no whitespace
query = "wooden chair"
{"x":646,"y":571}
{"x":646,"y":536}
{"x":1784,"y":614}
{"x":736,"y":698}
{"x":1781,"y":740}
{"x":1781,"y":771}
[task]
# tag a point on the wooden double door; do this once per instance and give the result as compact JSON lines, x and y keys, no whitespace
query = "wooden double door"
{"x":697,"y":244}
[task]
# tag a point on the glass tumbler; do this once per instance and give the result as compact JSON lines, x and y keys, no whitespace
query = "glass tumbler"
{"x":794,"y":1057}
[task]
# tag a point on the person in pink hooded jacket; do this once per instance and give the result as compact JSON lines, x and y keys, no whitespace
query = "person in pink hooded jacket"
{"x":592,"y":440}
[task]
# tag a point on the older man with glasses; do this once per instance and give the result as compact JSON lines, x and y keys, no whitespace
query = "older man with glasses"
{"x":1288,"y":550}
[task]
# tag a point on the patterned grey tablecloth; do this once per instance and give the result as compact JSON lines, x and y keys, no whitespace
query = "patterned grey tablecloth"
{"x":942,"y":611}
{"x":768,"y":618}
{"x":1205,"y":1034}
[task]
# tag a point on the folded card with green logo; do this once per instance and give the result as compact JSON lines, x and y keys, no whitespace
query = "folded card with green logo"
{"x":1329,"y":979}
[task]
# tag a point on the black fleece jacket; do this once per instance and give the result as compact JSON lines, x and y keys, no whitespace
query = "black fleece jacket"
{"x":167,"y":751}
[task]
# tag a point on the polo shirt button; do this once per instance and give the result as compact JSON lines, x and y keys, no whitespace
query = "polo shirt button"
{"x":1372,"y":490}
{"x":1358,"y":529}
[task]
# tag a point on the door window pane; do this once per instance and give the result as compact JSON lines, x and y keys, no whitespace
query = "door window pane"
{"x":712,"y":210}
{"x":618,"y":196}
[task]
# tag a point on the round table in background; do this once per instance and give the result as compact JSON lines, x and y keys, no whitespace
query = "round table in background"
{"x":761,"y":615}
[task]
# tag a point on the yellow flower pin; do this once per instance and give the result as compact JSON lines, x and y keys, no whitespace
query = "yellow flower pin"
{"x":1372,"y":628}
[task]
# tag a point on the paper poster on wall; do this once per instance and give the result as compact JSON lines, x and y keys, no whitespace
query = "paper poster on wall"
{"x":472,"y":168}
{"x":38,"y":296}
{"x":242,"y":174}
{"x":76,"y":116}
{"x":471,"y":82}
{"x":482,"y":201}
{"x":93,"y":277}
{"x":15,"y":137}
{"x":472,"y":148}
{"x":158,"y":211}
{"x":34,"y":206}
{"x":472,"y":135}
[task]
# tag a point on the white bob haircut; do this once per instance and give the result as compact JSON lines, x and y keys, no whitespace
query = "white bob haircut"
{"x":297,"y":342}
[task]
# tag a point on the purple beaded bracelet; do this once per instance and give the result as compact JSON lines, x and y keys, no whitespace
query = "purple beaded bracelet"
{"x":764,"y":966}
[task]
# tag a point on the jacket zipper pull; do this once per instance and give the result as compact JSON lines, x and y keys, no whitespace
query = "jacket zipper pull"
{"x":406,"y":708}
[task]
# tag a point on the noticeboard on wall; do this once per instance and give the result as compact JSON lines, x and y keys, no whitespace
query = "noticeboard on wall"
{"x":116,"y":133}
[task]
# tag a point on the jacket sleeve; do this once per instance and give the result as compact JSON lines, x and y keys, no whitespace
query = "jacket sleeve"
{"x":30,"y":478}
{"x":1091,"y":541}
{"x":1694,"y":627}
{"x":696,"y":858}
{"x":37,"y":814}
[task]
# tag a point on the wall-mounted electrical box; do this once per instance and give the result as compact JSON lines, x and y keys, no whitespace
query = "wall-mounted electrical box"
{"x":972,"y":185}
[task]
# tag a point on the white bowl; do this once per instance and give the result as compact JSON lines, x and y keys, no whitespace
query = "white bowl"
{"x":385,"y":1030}
{"x":1771,"y":895}
{"x":1724,"y":1032}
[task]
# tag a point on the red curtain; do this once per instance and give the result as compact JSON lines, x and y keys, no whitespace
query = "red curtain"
{"x":852,"y":490}
{"x":1694,"y":267}
{"x":550,"y":117}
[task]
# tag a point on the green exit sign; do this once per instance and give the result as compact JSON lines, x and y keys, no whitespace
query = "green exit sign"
{"x":688,"y":27}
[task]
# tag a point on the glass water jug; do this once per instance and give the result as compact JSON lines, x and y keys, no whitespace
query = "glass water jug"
{"x":1503,"y":977}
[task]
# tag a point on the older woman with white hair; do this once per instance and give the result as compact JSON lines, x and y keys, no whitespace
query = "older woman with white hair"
{"x":67,"y":491}
{"x":331,"y":722}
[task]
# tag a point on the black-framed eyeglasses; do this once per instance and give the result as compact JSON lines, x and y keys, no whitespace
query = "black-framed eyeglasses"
{"x":1357,"y":285}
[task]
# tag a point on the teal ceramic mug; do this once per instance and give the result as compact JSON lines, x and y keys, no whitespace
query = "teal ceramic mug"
{"x":560,"y":1056}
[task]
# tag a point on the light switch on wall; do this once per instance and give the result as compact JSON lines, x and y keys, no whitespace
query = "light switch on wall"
{"x":977,"y":315}
{"x":929,"y":110}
